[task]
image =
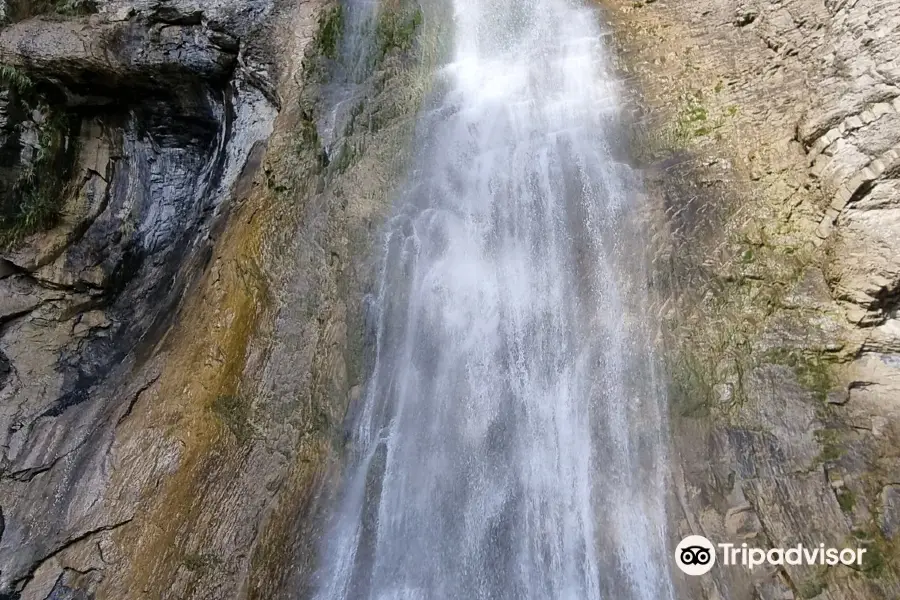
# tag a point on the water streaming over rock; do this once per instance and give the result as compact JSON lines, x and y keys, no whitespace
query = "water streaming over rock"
{"x":509,"y":442}
{"x":346,"y":87}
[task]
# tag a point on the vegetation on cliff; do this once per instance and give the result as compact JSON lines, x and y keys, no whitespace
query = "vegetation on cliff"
{"x":38,"y":138}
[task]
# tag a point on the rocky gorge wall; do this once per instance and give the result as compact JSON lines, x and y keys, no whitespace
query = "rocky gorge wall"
{"x":768,"y":133}
{"x":177,"y":267}
{"x":182,"y":336}
{"x":164,"y":111}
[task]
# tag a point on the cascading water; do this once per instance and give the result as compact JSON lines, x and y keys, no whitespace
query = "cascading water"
{"x":509,"y":442}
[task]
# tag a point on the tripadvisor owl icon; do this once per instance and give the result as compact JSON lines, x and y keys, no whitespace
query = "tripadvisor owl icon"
{"x":695,"y":555}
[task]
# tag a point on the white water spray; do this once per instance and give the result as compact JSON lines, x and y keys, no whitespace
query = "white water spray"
{"x":510,"y":440}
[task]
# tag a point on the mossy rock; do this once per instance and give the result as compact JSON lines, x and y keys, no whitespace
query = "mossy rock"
{"x":811,"y":588}
{"x":37,"y":194}
{"x":234,"y":412}
{"x":328,"y":35}
{"x":396,"y":30}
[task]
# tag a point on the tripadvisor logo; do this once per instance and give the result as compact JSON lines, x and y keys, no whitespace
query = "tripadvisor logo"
{"x":696,"y":555}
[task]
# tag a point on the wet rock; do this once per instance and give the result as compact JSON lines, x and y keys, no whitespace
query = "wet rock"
{"x":175,"y":380}
{"x":163,"y":121}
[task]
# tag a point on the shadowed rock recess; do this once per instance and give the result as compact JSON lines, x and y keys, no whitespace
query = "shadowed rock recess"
{"x":189,"y":197}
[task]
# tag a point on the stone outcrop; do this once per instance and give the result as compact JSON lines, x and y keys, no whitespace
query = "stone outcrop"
{"x":97,"y":56}
{"x":769,"y":133}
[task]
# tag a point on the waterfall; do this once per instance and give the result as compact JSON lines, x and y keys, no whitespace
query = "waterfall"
{"x":510,"y":440}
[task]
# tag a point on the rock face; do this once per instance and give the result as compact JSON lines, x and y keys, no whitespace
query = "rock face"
{"x":769,"y":132}
{"x":98,"y":56}
{"x":178,"y":350}
{"x":164,"y":120}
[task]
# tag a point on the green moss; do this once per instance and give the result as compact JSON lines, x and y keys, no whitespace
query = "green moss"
{"x":309,"y":154}
{"x":328,"y":35}
{"x":712,"y":346}
{"x":692,"y":120}
{"x":846,"y":499}
{"x":813,"y":369}
{"x":831,"y":444}
{"x":37,"y":195}
{"x":710,"y":353}
{"x":875,"y":562}
{"x":346,"y":157}
{"x":33,"y":201}
{"x":234,"y":412}
{"x":15,"y":79}
{"x":397,"y":30}
{"x":695,"y":113}
{"x":75,"y":7}
{"x":812,"y":588}
{"x":307,"y":135}
{"x":692,"y":385}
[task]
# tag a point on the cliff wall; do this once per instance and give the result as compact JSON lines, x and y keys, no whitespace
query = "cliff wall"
{"x":186,"y":234}
{"x":768,"y":132}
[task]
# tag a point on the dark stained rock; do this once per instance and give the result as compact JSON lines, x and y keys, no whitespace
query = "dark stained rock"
{"x":164,"y":122}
